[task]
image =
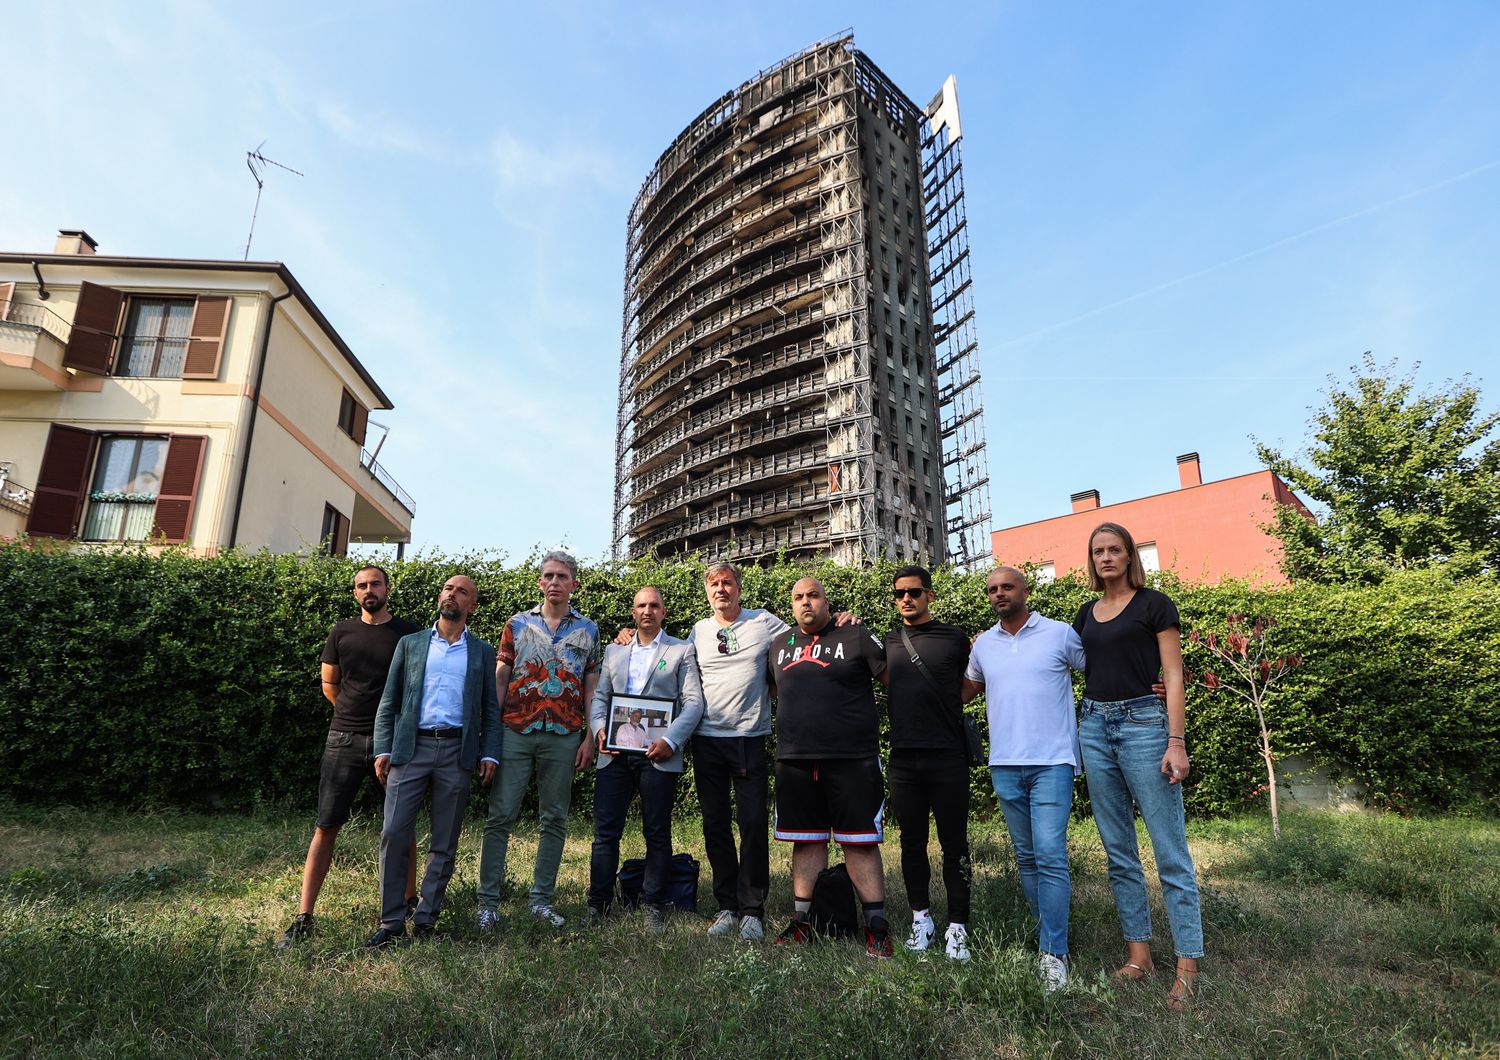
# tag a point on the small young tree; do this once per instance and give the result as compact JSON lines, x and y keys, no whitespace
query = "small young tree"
{"x":1406,"y":478}
{"x":1249,"y":671}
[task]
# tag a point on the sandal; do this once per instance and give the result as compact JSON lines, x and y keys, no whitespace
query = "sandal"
{"x":1131,"y":972}
{"x":1181,"y":1001}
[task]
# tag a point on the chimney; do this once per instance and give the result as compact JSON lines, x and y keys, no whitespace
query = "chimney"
{"x":1188,"y":471}
{"x":1086,"y":501}
{"x":74,"y":241}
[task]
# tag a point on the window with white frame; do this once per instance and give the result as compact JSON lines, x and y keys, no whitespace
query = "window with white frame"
{"x":1149,"y":560}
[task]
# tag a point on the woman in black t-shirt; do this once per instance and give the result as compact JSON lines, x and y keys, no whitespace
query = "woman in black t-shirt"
{"x":1134,"y":752}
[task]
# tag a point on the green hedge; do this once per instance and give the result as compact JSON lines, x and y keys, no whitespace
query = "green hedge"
{"x":169,"y":679}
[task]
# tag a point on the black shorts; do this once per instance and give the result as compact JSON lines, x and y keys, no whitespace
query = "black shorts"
{"x":839,"y":798}
{"x":347,"y":761}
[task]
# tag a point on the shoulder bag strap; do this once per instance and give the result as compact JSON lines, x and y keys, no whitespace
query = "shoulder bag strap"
{"x":916,"y":660}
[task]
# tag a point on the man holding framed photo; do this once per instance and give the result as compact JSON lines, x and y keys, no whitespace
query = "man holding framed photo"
{"x":661,"y":669}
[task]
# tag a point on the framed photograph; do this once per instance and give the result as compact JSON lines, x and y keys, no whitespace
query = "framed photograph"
{"x":637,"y":722}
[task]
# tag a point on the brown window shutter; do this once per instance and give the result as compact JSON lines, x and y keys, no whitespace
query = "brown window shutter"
{"x":179,"y":487}
{"x":361,"y":421}
{"x":206,"y":337}
{"x":64,"y":478}
{"x":7,"y":292}
{"x":91,"y":345}
{"x":341,"y":536}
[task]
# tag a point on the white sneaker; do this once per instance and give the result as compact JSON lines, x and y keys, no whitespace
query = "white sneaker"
{"x":724,"y":925}
{"x":922,"y":931}
{"x":547,"y":915}
{"x":752,"y":929}
{"x":956,"y":942}
{"x":1054,"y":973}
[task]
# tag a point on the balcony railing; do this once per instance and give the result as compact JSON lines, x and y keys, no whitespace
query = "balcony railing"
{"x":36,"y":316}
{"x":13,"y":496}
{"x":382,"y":476}
{"x":782,"y":429}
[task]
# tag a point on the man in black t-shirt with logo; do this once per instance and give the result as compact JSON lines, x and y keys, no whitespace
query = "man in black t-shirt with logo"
{"x":356,"y":660}
{"x":929,"y":757}
{"x":828,"y":778}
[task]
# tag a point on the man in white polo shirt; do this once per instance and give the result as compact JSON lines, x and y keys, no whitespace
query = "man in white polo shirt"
{"x":1022,"y":665}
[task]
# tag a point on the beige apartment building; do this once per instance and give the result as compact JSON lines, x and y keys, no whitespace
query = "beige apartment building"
{"x":209,"y":403}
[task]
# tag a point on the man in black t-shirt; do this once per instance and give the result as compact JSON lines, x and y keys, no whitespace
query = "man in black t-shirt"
{"x":828,"y":778}
{"x":356,"y":660}
{"x":929,"y":757}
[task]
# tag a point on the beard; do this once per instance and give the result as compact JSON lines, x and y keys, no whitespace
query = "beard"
{"x":372,"y":604}
{"x":450,"y":613}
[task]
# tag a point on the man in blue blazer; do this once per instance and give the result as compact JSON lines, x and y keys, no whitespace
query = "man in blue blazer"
{"x":653,"y":665}
{"x":438,"y":717}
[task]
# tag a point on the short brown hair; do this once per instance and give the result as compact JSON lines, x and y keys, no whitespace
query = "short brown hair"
{"x":1135,"y":573}
{"x":371,"y":566}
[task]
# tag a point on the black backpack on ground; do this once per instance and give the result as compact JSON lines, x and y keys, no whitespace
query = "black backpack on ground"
{"x":835,"y":913}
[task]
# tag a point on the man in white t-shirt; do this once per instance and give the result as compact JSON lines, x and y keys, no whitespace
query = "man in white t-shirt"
{"x":1023,"y":666}
{"x":729,"y":751}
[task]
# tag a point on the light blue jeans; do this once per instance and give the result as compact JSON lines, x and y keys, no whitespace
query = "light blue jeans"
{"x":1123,"y":744}
{"x":1036,"y":801}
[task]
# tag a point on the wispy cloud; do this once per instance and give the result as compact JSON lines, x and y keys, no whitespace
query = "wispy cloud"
{"x":373,"y":132}
{"x":1267,"y":248}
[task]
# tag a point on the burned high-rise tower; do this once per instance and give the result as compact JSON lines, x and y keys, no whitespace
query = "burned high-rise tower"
{"x":799,"y":369}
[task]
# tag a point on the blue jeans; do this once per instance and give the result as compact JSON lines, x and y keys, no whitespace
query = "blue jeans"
{"x":614,"y":786}
{"x":1036,"y":801}
{"x":1123,"y":744}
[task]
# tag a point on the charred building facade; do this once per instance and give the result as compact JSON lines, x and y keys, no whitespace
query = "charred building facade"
{"x":799,"y":368}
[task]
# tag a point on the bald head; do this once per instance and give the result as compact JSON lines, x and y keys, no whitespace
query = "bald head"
{"x":458,"y":598}
{"x":810,"y":605}
{"x":1007,"y":592}
{"x":648,"y":610}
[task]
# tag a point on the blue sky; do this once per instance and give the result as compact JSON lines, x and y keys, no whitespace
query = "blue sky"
{"x":1184,"y":216}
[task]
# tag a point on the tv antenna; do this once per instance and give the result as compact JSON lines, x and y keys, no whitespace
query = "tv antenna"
{"x":257,"y":163}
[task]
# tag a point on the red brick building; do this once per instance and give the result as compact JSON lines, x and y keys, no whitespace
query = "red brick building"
{"x":1204,"y":531}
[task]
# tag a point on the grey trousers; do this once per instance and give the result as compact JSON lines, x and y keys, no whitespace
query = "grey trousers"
{"x":434,"y":765}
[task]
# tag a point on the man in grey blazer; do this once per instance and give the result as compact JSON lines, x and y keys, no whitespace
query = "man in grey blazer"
{"x":656,"y":665}
{"x":438,"y":717}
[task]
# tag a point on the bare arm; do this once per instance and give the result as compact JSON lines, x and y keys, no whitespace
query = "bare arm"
{"x":1174,"y":764}
{"x":332,"y":677}
{"x":972,"y":690}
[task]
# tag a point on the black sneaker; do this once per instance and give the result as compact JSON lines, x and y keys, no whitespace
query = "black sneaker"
{"x":302,"y":928}
{"x":424,"y":932}
{"x":795,"y":932}
{"x":385,"y":937}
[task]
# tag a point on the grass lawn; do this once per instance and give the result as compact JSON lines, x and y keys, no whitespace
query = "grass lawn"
{"x":151,"y":934}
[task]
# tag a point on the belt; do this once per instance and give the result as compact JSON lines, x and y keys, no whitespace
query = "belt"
{"x":451,"y":732}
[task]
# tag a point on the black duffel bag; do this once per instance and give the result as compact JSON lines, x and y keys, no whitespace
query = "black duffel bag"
{"x":681,"y":887}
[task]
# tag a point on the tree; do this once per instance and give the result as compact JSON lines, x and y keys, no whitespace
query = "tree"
{"x":1250,"y":670}
{"x":1407,"y":478}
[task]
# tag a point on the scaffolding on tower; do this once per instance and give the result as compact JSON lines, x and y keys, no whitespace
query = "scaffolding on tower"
{"x":956,"y":345}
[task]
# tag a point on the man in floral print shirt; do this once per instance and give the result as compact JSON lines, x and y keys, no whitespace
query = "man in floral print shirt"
{"x":548,"y":662}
